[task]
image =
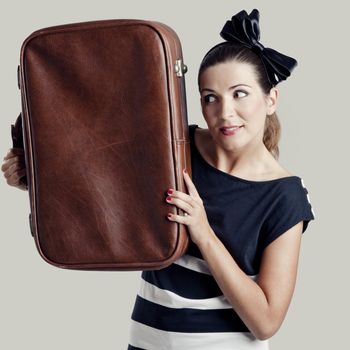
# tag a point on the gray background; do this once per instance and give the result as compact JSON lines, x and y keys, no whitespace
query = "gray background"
{"x":44,"y":307}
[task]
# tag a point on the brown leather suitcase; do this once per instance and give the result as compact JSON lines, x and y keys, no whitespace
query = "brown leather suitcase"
{"x":105,"y":134}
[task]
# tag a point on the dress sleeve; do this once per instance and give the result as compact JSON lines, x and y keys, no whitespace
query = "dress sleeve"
{"x":292,"y":206}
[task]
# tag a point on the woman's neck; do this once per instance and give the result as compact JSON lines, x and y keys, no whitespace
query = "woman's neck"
{"x":252,"y":161}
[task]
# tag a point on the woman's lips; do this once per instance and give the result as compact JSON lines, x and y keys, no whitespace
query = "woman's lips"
{"x":229,"y":132}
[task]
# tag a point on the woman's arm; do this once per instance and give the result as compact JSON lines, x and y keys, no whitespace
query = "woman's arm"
{"x":262,"y":305}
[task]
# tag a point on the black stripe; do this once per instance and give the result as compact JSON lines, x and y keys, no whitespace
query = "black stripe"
{"x":184,"y":282}
{"x":130,"y":347}
{"x":186,"y":319}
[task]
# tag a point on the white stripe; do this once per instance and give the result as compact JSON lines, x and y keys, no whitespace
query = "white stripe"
{"x":313,"y":212}
{"x":170,"y":299}
{"x":308,"y":198}
{"x":193,"y":263}
{"x":150,"y":338}
{"x":196,"y":264}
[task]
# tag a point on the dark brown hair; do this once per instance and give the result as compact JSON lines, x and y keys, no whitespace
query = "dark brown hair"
{"x":227,"y":51}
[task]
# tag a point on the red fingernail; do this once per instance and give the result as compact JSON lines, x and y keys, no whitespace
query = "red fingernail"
{"x":168,"y":198}
{"x":170,"y":191}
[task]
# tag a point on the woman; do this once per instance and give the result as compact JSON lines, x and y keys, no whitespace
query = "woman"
{"x":245,"y":213}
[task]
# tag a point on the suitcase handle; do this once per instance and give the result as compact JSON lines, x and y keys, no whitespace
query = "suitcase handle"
{"x":17,"y":141}
{"x":17,"y":133}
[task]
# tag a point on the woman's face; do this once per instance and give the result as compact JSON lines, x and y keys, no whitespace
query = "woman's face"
{"x":231,"y":96}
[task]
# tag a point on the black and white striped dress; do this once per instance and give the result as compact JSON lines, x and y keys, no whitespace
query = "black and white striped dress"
{"x":181,"y":307}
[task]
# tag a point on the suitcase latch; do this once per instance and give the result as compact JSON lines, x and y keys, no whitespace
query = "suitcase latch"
{"x":180,"y":68}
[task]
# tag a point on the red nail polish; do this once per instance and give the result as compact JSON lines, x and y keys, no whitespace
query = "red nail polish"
{"x":170,"y":191}
{"x":168,"y":198}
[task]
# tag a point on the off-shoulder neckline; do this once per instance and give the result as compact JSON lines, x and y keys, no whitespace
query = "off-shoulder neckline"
{"x":234,"y":177}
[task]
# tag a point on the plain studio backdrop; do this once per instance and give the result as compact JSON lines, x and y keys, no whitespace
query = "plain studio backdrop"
{"x":44,"y":307}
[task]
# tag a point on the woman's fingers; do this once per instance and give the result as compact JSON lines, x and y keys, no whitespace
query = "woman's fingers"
{"x":191,"y":187}
{"x":13,"y":152}
{"x":16,"y":177}
{"x":11,"y":164}
{"x":19,"y":173}
{"x":14,"y":172}
{"x":14,"y":168}
{"x":183,"y":203}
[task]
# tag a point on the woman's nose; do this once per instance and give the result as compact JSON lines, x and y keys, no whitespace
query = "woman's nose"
{"x":227,"y":108}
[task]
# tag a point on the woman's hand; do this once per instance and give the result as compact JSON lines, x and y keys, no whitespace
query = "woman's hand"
{"x":192,"y":204}
{"x":14,"y":168}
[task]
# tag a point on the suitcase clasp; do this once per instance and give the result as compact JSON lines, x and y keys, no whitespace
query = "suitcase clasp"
{"x":180,"y":68}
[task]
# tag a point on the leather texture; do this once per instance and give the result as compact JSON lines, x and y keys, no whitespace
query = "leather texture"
{"x":105,"y":135}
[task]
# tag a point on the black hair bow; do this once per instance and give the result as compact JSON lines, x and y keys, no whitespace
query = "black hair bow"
{"x":244,"y":29}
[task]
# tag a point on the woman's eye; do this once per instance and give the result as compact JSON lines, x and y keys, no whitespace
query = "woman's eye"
{"x":242,"y":92}
{"x":207,"y":98}
{"x":238,"y":93}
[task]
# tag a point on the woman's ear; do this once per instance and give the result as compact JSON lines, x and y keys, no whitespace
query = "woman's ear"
{"x":272,"y":101}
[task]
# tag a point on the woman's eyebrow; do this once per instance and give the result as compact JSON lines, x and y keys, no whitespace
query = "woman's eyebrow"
{"x":231,"y":87}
